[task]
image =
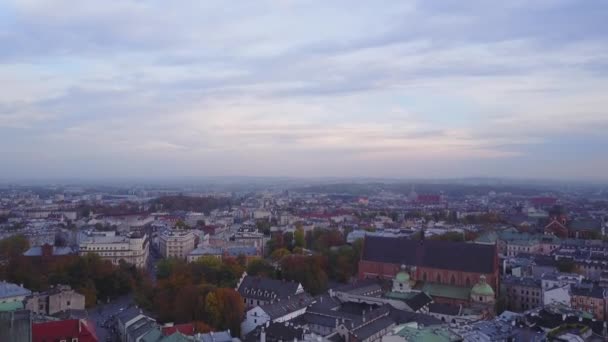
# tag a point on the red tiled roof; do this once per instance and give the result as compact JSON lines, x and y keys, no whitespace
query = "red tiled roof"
{"x":63,"y":330}
{"x":186,"y":329}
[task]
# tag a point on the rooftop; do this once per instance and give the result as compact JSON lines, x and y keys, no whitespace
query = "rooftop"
{"x":467,"y":257}
{"x":8,"y":290}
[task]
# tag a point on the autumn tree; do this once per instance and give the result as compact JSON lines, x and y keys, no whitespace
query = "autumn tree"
{"x":310,"y":271}
{"x":225,"y":309}
{"x":260,"y":267}
{"x":299,"y":238}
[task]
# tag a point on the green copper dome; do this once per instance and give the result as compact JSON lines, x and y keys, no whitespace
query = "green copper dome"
{"x":402,"y":277}
{"x":482,"y":289}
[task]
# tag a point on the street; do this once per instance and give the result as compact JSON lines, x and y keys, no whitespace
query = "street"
{"x":103,"y":314}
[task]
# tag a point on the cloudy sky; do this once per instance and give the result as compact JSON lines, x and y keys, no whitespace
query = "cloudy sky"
{"x":349,"y":88}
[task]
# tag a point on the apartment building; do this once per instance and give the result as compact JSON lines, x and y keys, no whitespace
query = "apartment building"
{"x":132,"y":248}
{"x":523,"y":293}
{"x":176,"y":243}
{"x":57,"y":299}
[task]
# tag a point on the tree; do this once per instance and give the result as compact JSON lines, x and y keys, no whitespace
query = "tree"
{"x":225,"y":309}
{"x":566,"y":266}
{"x":280,"y":254}
{"x":299,"y":238}
{"x":13,"y":246}
{"x":449,"y":236}
{"x":260,"y":267}
{"x":310,"y":271}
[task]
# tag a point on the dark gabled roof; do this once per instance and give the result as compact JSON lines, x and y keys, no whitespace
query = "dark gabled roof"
{"x":276,"y":332}
{"x":266,"y":288}
{"x":286,"y":306}
{"x":318,"y":319}
{"x":325,"y":301}
{"x":372,"y":328}
{"x":402,"y":317}
{"x":419,"y":301}
{"x":585,"y":225}
{"x":594,"y":292}
{"x":444,"y":309}
{"x":128,"y":314}
{"x":458,"y":256}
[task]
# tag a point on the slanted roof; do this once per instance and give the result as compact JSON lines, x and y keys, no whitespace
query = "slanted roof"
{"x":177,"y":337}
{"x":419,"y":301}
{"x":153,"y":335}
{"x":141,"y":328}
{"x":11,"y":306}
{"x":587,"y":224}
{"x":128,"y":314}
{"x":9,"y":290}
{"x":267,"y":289}
{"x":276,"y":332}
{"x":57,"y":251}
{"x":593,"y":292}
{"x":445,"y":309}
{"x":446,"y":291}
{"x":402,"y":317}
{"x":432,"y":334}
{"x":287,"y":306}
{"x":373,"y":328}
{"x":186,"y":329}
{"x":448,"y":255}
{"x":58,"y":330}
{"x":218,"y":336}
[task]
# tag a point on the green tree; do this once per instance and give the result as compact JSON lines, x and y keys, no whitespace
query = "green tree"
{"x":299,"y":238}
{"x":260,"y":267}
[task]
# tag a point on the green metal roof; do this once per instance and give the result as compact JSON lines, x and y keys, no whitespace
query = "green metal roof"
{"x":446,"y":291}
{"x":11,"y":306}
{"x":400,"y":295}
{"x":429,"y":334}
{"x":402,"y":277}
{"x":482,"y":289}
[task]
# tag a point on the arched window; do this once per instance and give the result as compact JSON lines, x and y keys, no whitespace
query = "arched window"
{"x":468,"y":282}
{"x":439,"y":278}
{"x":424,"y":276}
{"x":453,"y":280}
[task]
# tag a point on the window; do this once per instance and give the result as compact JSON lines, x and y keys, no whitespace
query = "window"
{"x":424,"y":276}
{"x":453,"y":280}
{"x":75,"y":340}
{"x":439,"y":278}
{"x":68,"y":303}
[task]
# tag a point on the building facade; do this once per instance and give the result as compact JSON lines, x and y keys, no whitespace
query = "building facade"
{"x":522,"y":293}
{"x":590,"y":299}
{"x":176,"y":244}
{"x":430,"y":261}
{"x":58,"y":299}
{"x":133,"y":249}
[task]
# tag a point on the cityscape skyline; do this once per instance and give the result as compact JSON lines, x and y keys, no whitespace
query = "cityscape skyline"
{"x":405,"y":89}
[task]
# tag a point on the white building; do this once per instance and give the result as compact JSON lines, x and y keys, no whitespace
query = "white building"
{"x":176,"y":243}
{"x":278,"y":312}
{"x":557,"y":295}
{"x":132,"y":249}
{"x":12,"y":295}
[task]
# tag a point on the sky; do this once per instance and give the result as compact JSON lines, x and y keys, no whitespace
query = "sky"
{"x":399,"y":89}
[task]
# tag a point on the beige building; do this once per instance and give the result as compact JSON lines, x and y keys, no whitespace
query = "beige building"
{"x":176,"y":244}
{"x":57,"y":299}
{"x":133,"y":249}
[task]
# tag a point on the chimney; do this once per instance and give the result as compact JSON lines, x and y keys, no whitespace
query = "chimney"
{"x":263,"y":335}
